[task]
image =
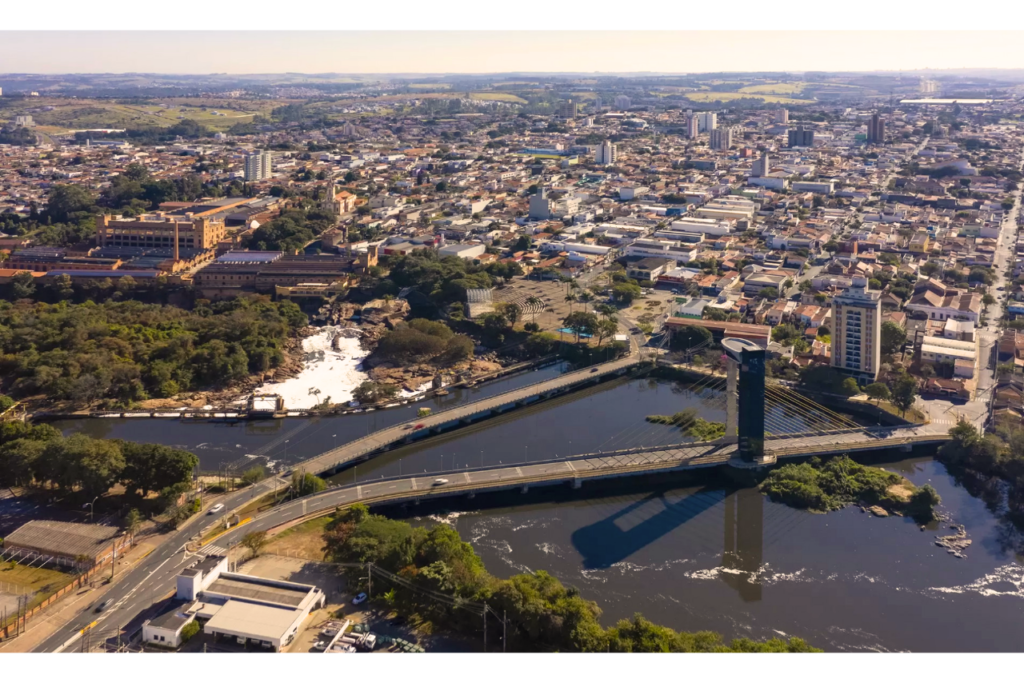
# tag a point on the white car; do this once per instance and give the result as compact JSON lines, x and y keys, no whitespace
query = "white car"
{"x":359,"y":599}
{"x":216,"y":508}
{"x":440,"y":482}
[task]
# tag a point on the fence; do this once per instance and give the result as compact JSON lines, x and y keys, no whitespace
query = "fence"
{"x":12,"y":629}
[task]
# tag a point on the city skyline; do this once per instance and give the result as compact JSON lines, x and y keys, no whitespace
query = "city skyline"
{"x":488,"y":52}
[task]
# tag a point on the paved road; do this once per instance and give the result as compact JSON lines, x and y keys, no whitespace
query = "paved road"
{"x":150,"y":579}
{"x":944,"y":411}
{"x":354,"y":450}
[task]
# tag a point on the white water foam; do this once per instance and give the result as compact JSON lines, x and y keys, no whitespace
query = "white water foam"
{"x":336,"y":374}
{"x":1007,"y":580}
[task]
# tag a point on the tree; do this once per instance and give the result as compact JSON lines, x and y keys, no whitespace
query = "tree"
{"x":626,"y":292}
{"x":850,"y":387}
{"x":877,"y":391}
{"x":988,"y":299}
{"x":66,"y":200}
{"x":768,"y":293}
{"x":305,"y":484}
{"x":688,"y":337}
{"x":132,"y":523}
{"x":23,"y":285}
{"x":604,"y":328}
{"x":580,"y":323}
{"x":152,"y":467}
{"x":904,"y":391}
{"x":254,"y":475}
{"x":255,"y":541}
{"x":511,"y":312}
{"x":374,"y":392}
{"x":893,"y":337}
{"x":534,"y":303}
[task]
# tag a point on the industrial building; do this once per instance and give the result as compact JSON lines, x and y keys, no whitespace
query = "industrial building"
{"x":69,"y":544}
{"x":248,"y":610}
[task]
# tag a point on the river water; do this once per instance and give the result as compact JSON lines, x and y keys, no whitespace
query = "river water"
{"x":690,"y":555}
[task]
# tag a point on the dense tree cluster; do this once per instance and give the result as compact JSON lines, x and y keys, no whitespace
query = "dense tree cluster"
{"x":994,"y":457}
{"x":37,"y":455}
{"x":838,"y":482}
{"x":290,"y":231}
{"x":422,"y":340}
{"x":127,"y":351}
{"x":542,"y":614}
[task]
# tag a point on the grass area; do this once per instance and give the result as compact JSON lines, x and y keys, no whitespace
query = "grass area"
{"x":84,"y":114}
{"x":708,"y":96}
{"x":303,"y":540}
{"x":499,"y":96}
{"x":913,"y":414}
{"x":436,"y":86}
{"x":43,"y":582}
{"x":775,"y":88}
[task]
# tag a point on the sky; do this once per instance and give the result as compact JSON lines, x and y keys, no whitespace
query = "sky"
{"x":380,"y":52}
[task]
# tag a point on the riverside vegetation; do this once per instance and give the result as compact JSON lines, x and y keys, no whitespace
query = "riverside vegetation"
{"x":119,"y":352}
{"x":832,"y":484}
{"x":691,"y":425}
{"x":542,"y":614}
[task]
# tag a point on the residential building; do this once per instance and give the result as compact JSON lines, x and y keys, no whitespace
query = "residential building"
{"x":623,"y":102}
{"x":24,"y":121}
{"x":801,"y":137}
{"x":707,"y":121}
{"x":876,"y":130}
{"x":940,"y":302}
{"x":692,"y":126}
{"x":259,"y":166}
{"x":857,"y":333}
{"x":606,"y":154}
{"x":762,"y":166}
{"x":781,"y":116}
{"x":721,"y":138}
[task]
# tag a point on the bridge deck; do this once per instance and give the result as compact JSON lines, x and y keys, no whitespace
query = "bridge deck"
{"x":354,"y":450}
{"x":588,"y":466}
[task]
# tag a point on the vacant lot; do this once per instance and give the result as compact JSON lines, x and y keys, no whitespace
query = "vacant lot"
{"x":35,"y":582}
{"x":775,"y":88}
{"x":302,"y":541}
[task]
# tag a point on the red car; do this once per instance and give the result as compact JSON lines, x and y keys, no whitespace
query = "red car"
{"x":419,"y":426}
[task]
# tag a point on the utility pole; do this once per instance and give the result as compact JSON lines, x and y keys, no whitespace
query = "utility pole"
{"x":369,"y":580}
{"x":485,"y":627}
{"x":504,"y":629}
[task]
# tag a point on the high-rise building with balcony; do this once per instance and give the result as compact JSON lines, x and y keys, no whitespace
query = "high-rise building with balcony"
{"x":857,"y":331}
{"x":259,"y":166}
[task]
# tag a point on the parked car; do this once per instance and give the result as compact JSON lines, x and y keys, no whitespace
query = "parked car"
{"x":102,"y":607}
{"x":320,"y":645}
{"x":440,"y":482}
{"x":216,"y":508}
{"x":359,"y":599}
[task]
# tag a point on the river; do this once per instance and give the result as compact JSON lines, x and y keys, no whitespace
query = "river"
{"x":692,"y":556}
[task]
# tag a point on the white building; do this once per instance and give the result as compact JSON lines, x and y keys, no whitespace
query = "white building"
{"x":940,"y":349}
{"x":782,"y":116}
{"x":463,"y":251}
{"x":623,"y":102}
{"x":707,"y":121}
{"x":630,"y":192}
{"x":259,"y":166}
{"x":606,"y":154}
{"x":708,"y":226}
{"x":857,"y":337}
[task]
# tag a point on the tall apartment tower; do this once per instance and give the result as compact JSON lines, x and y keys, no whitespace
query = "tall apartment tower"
{"x":707,"y":121}
{"x":259,"y":166}
{"x":692,"y":127}
{"x":606,"y":154}
{"x":721,"y":138}
{"x":570,"y":109}
{"x":801,"y":137}
{"x":762,"y":166}
{"x":598,"y":103}
{"x":876,"y":130}
{"x":623,"y":102}
{"x":781,"y":116}
{"x":857,"y":331}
